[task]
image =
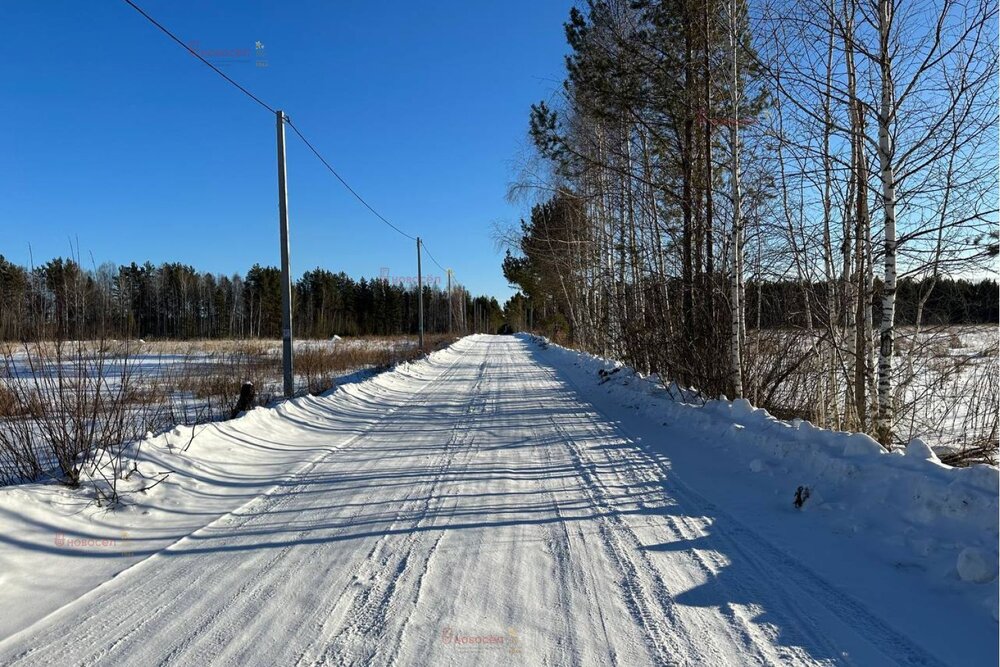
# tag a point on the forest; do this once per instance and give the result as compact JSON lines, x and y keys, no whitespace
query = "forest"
{"x":62,"y":300}
{"x":710,"y":170}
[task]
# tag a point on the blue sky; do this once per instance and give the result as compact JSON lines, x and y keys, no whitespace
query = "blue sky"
{"x":118,"y":138}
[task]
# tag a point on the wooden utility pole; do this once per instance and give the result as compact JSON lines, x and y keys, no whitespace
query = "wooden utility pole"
{"x":420,"y":299}
{"x":286,"y":282}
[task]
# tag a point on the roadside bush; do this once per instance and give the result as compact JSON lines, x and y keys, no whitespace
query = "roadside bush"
{"x":72,"y":408}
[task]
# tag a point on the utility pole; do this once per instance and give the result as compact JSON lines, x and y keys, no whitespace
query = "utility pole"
{"x":450,"y":301}
{"x":286,"y":282}
{"x":420,"y":298}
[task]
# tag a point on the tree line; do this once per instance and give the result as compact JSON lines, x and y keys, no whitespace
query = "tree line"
{"x":949,"y":302}
{"x":63,"y":300}
{"x":712,"y":166}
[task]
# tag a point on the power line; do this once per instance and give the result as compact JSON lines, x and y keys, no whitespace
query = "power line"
{"x":199,"y":57}
{"x":345,"y":184}
{"x":424,"y":244}
{"x":271,"y":109}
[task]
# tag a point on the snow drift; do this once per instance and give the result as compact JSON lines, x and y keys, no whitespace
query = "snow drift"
{"x":907,"y":500}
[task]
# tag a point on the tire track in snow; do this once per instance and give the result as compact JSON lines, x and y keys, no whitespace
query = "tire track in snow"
{"x":152,"y":590}
{"x":753,"y":641}
{"x":584,"y":582}
{"x":649,"y":608}
{"x":797,"y":581}
{"x":260,"y":585}
{"x":329,"y":619}
{"x":359,"y":640}
{"x":754,"y":645}
{"x":495,"y":495}
{"x":754,"y":583}
{"x":462,"y":449}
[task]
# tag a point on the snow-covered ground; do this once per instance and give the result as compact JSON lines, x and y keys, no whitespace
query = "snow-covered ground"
{"x":158,"y":384}
{"x":946,"y":382}
{"x":950,"y":386}
{"x":155,"y":361}
{"x":503,"y":502}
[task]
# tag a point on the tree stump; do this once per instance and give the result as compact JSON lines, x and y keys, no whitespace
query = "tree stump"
{"x":245,"y":402}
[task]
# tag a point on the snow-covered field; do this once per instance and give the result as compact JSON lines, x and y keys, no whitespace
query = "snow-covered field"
{"x":154,"y":361}
{"x":504,"y":502}
{"x":950,"y":395}
{"x":947,"y":383}
{"x":51,"y":393}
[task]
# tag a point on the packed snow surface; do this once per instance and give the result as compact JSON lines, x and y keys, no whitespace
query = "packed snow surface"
{"x":505,"y":502}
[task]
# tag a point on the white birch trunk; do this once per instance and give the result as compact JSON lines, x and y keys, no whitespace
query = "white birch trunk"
{"x":736,"y":324}
{"x":885,"y":155}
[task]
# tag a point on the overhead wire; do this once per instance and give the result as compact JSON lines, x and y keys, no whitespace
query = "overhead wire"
{"x":290,"y":124}
{"x":424,"y":245}
{"x":199,"y":56}
{"x":345,"y":183}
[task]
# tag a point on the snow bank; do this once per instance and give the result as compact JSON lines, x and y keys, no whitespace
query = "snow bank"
{"x":946,"y":517}
{"x":56,"y":543}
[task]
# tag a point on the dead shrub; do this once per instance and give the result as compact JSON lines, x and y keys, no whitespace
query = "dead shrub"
{"x":76,"y":410}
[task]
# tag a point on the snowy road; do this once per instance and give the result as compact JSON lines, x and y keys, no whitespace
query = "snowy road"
{"x":488,"y":513}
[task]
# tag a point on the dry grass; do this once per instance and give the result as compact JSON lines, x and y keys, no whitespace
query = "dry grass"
{"x":220,"y":368}
{"x":11,"y":405}
{"x":76,"y":406}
